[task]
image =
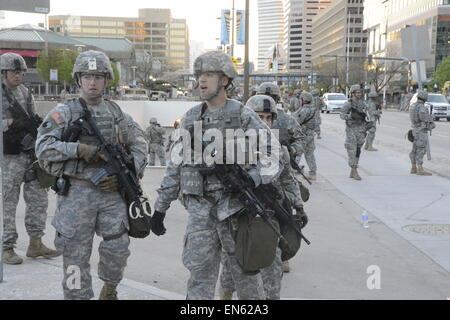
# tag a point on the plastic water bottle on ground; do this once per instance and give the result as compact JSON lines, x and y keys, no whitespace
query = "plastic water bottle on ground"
{"x":365,"y":219}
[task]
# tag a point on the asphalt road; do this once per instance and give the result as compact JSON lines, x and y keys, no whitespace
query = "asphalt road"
{"x":343,"y":255}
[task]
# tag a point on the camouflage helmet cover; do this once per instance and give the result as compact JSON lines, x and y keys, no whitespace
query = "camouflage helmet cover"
{"x":373,"y":95}
{"x":153,"y":120}
{"x":94,"y":62}
{"x":355,"y":87}
{"x":262,"y":103}
{"x":215,"y":61}
{"x":315,"y":92}
{"x":297,"y":92}
{"x":269,"y":88}
{"x":12,"y":61}
{"x":421,"y":94}
{"x":306,"y":96}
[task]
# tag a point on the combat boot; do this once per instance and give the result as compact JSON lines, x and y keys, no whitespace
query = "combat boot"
{"x":413,"y":169}
{"x":354,"y":174}
{"x":371,"y":148}
{"x":10,"y":257}
{"x":421,"y":171}
{"x":366,"y":146}
{"x":38,"y":249}
{"x":225,"y":294}
{"x":108,"y":292}
{"x":319,"y":137}
{"x":312,"y":176}
{"x":286,"y":267}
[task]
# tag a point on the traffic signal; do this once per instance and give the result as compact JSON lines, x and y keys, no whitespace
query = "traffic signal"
{"x":369,"y":59}
{"x":235,"y":62}
{"x":270,"y":66}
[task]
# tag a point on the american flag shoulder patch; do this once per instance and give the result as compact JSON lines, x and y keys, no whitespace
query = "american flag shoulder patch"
{"x":56,"y":116}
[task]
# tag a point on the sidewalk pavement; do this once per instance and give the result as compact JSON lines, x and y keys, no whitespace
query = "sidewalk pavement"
{"x":40,"y":279}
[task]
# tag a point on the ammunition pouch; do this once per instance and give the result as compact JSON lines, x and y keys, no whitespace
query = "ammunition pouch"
{"x":410,"y":135}
{"x":45,"y":180}
{"x":293,"y":239}
{"x":256,"y":243}
{"x":304,"y":191}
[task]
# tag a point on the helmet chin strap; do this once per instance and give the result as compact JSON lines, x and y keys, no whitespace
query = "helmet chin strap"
{"x":91,"y":96}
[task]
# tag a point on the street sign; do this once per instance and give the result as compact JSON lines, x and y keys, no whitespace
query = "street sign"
{"x":53,"y":74}
{"x":416,"y":42}
{"x":33,"y":6}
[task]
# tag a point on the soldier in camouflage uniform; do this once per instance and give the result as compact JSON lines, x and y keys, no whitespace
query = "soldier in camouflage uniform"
{"x":155,"y":139}
{"x":272,"y":90}
{"x":355,"y":114}
{"x":294,"y":102}
{"x":17,"y":167}
{"x":375,"y":115}
{"x":87,"y":209}
{"x":212,"y":209}
{"x":288,"y":185}
{"x":421,"y":123}
{"x":318,"y":104}
{"x":174,"y":135}
{"x":306,"y":119}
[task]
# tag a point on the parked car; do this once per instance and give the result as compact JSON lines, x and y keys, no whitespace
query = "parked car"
{"x":133,"y":94}
{"x":333,"y":102}
{"x":440,"y":104}
{"x":158,"y":95}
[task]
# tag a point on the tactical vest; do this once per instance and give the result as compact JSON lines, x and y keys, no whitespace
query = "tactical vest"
{"x":110,"y":121}
{"x":282,"y":125}
{"x":309,"y":122}
{"x":228,"y":117}
{"x":153,"y":135}
{"x":414,"y":115}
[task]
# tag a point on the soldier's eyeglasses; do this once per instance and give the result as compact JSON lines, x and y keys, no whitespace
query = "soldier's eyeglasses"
{"x":90,"y":77}
{"x":21,"y":72}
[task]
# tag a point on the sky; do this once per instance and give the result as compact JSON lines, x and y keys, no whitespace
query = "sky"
{"x":201,"y":16}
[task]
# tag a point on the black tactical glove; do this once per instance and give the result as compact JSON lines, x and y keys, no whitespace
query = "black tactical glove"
{"x":156,"y":224}
{"x":303,"y":217}
{"x":109,"y":184}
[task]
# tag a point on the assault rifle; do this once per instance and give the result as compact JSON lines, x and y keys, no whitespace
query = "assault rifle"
{"x":119,"y":163}
{"x":255,"y":200}
{"x":294,"y":163}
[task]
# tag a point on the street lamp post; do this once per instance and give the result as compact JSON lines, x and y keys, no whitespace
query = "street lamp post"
{"x":134,"y":74}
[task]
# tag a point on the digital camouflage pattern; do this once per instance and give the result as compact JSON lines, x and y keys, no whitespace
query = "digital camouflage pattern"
{"x":421,"y":123}
{"x":87,"y":209}
{"x":305,"y":117}
{"x":262,"y":103}
{"x":93,"y":61}
{"x":10,"y":61}
{"x":355,"y":130}
{"x":15,"y":166}
{"x":215,"y":61}
{"x":374,"y":114}
{"x":155,"y":139}
{"x":211,"y":208}
{"x":269,"y":88}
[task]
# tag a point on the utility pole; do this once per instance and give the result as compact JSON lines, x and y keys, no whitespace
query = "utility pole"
{"x":246,"y":57}
{"x":233,"y":18}
{"x":348,"y":51}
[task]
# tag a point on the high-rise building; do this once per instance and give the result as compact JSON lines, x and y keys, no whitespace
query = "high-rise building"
{"x":336,"y":30}
{"x":384,"y":20}
{"x":270,"y":29}
{"x":154,"y":31}
{"x":297,"y":30}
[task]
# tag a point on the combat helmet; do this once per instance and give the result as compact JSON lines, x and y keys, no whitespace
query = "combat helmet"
{"x":94,"y":62}
{"x":262,"y":103}
{"x":269,"y":88}
{"x":355,"y":87}
{"x":297,"y":92}
{"x":423,"y":95}
{"x":315,"y":92}
{"x":12,"y":61}
{"x":153,"y":120}
{"x":215,"y":61}
{"x":305,"y":95}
